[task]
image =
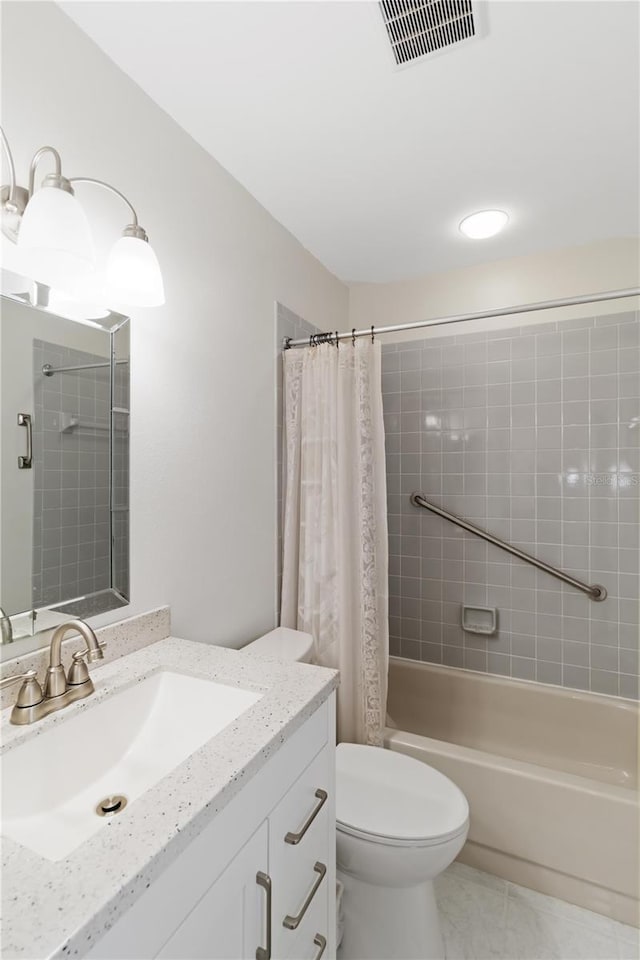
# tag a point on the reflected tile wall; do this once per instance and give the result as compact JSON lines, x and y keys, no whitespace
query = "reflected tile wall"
{"x":533,"y":434}
{"x":71,"y":545}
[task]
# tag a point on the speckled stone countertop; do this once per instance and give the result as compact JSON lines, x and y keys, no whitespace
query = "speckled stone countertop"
{"x":53,"y":909}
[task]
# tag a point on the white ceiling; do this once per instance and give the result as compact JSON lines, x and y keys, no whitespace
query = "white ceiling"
{"x":372,"y":167}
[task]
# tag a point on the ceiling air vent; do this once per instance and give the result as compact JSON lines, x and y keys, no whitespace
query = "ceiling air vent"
{"x":419,"y":27}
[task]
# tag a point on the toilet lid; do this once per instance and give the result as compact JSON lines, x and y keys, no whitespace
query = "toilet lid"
{"x":282,"y":642}
{"x":395,"y":798}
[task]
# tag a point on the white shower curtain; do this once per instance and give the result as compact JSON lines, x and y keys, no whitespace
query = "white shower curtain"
{"x":335,"y":562}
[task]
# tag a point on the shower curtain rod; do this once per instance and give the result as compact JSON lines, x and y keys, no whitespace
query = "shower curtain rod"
{"x":332,"y":337}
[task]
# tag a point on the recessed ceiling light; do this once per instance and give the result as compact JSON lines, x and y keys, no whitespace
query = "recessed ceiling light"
{"x":484,"y":224}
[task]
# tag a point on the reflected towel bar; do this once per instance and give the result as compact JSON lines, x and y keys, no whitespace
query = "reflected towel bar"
{"x":595,"y":591}
{"x":49,"y":371}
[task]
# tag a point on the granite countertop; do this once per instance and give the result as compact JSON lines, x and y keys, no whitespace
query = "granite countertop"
{"x":51,"y":908}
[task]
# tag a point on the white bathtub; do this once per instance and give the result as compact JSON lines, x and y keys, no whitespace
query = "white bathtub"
{"x":550,"y":775}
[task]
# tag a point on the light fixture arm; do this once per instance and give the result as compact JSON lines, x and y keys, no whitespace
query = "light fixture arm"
{"x":107,"y":186}
{"x":12,"y":169}
{"x":37,"y":157}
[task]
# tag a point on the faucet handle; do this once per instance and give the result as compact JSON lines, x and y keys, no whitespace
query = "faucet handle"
{"x":7,"y":681}
{"x":30,"y":692}
{"x":79,"y":672}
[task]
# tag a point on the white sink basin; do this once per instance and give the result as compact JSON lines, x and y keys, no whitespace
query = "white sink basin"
{"x":52,"y":784}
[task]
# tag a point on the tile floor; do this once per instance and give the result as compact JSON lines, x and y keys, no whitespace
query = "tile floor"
{"x":485,"y":917}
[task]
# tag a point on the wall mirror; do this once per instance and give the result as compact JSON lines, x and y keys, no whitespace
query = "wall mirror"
{"x":64,"y":461}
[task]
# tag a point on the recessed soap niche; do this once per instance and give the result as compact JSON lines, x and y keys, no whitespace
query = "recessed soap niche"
{"x":480,"y":620}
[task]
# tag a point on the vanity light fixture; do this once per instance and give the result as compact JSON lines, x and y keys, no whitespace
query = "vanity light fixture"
{"x":484,"y":224}
{"x":53,"y":236}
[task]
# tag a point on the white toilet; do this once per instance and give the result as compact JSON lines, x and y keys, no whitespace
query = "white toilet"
{"x":399,"y":824}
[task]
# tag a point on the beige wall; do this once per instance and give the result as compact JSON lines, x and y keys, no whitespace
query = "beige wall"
{"x":203,"y":450}
{"x":609,"y":265}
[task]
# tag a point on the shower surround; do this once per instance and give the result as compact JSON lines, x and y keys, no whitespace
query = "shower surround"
{"x":531,"y":433}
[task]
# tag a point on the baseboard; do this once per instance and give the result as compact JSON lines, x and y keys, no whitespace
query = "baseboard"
{"x":609,"y":903}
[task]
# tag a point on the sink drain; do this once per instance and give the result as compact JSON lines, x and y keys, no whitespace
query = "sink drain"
{"x":111,"y":805}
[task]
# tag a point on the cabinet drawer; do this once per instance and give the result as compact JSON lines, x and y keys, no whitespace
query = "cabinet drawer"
{"x":299,"y":944}
{"x":302,"y":836}
{"x":306,"y":816}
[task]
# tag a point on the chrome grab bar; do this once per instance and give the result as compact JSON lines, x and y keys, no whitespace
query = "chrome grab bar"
{"x":595,"y":591}
{"x":24,"y":420}
{"x":294,"y":838}
{"x":292,"y":923}
{"x":264,"y":880}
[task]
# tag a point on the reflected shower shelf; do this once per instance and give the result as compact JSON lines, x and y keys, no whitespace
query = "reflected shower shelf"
{"x":70,"y":421}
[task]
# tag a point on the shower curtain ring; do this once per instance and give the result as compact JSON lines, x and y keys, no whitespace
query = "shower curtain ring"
{"x":353,"y":336}
{"x":372,"y":338}
{"x":337,"y":341}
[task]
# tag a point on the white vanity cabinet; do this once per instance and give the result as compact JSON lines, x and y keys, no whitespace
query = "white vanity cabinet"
{"x":259,"y":880}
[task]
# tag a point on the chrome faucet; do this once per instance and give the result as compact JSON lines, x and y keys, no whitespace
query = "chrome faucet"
{"x":59,"y":689}
{"x":6,"y":630}
{"x":56,"y":683}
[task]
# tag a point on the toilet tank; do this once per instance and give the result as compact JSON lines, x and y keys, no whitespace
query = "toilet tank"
{"x":283,"y":642}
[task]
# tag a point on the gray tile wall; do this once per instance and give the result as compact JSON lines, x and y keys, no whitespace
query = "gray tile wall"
{"x":71,"y":545}
{"x":532,"y":433}
{"x":288,"y":324}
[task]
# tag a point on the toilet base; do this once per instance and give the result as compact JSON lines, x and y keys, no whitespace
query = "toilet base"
{"x":389,"y":923}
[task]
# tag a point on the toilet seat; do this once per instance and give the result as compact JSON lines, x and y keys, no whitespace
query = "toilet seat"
{"x":395,"y":842}
{"x":389,"y":798}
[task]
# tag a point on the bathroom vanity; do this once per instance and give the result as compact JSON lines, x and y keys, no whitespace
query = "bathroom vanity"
{"x":230,"y":853}
{"x":186,"y":807}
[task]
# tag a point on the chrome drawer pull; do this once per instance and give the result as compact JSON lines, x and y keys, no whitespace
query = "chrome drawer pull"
{"x":292,"y":923}
{"x":264,"y":880}
{"x":321,"y":942}
{"x":294,"y":838}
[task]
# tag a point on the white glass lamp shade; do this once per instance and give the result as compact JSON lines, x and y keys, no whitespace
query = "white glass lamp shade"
{"x":55,"y":242}
{"x":133,"y":274}
{"x":83,"y":311}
